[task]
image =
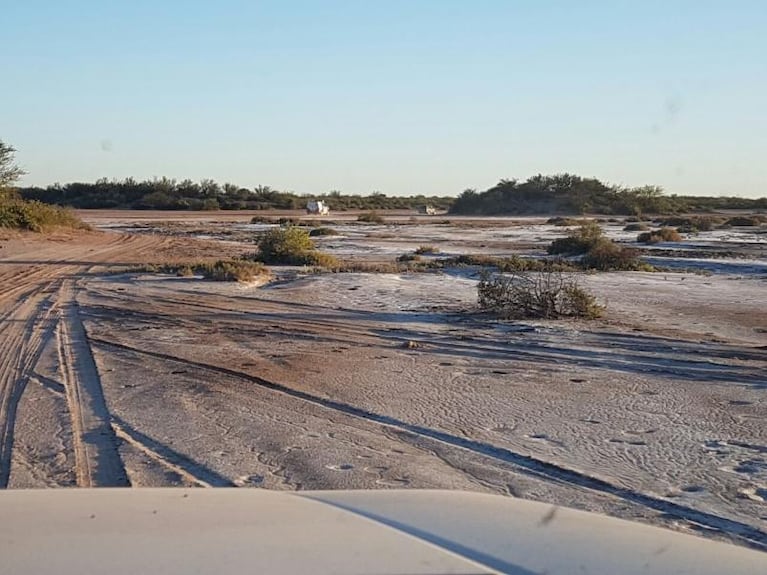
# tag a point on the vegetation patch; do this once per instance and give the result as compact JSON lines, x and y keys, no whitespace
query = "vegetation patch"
{"x":426,"y":250}
{"x":409,"y":258}
{"x":636,"y":227}
{"x":692,"y":224}
{"x":569,"y":222}
{"x":291,"y":246}
{"x":747,"y":221}
{"x":538,"y":295}
{"x":578,"y":241}
{"x":371,"y":218}
{"x":661,"y":235}
{"x":37,"y":217}
{"x":222,"y":270}
{"x":597,"y":251}
{"x":322,"y":231}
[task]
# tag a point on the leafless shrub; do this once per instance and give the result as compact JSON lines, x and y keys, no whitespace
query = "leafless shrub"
{"x":536,"y":295}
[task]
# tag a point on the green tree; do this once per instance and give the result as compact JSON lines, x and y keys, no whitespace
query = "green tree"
{"x":9,"y":171}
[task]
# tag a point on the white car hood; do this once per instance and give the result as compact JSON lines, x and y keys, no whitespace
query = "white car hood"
{"x":223,"y":531}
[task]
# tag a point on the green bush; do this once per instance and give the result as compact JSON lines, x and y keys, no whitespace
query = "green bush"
{"x":579,"y":241}
{"x":539,"y":295}
{"x":291,"y":246}
{"x":372,"y":217}
{"x":606,"y":255}
{"x":661,"y":235}
{"x":322,"y":231}
{"x":37,"y":217}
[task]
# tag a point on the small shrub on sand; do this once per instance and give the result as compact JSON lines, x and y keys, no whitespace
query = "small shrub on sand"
{"x":409,"y":258}
{"x":606,"y":255}
{"x":230,"y":270}
{"x":546,"y":295}
{"x":426,"y":250}
{"x":661,"y":235}
{"x":566,"y":222}
{"x":579,"y":241}
{"x":291,"y":246}
{"x":637,"y":227}
{"x":322,"y":231}
{"x":372,"y":217}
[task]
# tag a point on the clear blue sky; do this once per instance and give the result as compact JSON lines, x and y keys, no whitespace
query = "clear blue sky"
{"x":398,"y":96}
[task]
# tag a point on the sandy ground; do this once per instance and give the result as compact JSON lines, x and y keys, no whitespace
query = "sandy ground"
{"x":655,"y":412}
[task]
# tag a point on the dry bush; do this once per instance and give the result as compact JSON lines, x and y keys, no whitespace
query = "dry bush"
{"x":560,"y":221}
{"x":748,"y":221}
{"x":230,"y":270}
{"x":661,"y":235}
{"x":409,"y":258}
{"x":691,"y":224}
{"x":537,"y":295}
{"x":637,"y":227}
{"x":222,"y":270}
{"x":372,"y":217}
{"x":322,"y":231}
{"x":426,"y":250}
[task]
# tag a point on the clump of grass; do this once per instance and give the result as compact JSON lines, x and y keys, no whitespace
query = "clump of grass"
{"x":291,"y":246}
{"x":636,"y":227}
{"x":322,"y":231}
{"x":261,"y":220}
{"x":222,"y":270}
{"x":661,"y":235}
{"x":547,"y":295}
{"x":35,"y":216}
{"x":371,"y":217}
{"x":426,"y":250}
{"x":230,"y":270}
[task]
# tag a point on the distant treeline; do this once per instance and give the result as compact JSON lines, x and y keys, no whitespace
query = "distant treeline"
{"x":166,"y":194}
{"x":557,"y":194}
{"x":568,"y":194}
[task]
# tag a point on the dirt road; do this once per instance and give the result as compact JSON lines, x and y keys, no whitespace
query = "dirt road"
{"x":142,"y":380}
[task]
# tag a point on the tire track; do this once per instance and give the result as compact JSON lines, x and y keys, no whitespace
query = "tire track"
{"x":96,"y":458}
{"x":172,"y":460}
{"x":524,"y":464}
{"x":28,"y":318}
{"x":20,"y":347}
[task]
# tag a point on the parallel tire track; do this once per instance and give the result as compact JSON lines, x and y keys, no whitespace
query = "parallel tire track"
{"x":96,"y":458}
{"x":525,"y":464}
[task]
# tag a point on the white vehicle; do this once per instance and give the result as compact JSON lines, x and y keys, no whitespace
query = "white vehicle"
{"x":223,"y":531}
{"x":317,"y":207}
